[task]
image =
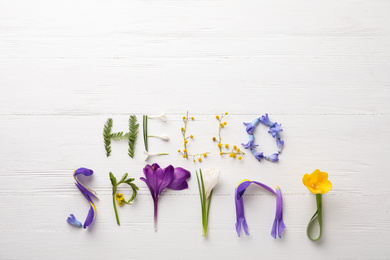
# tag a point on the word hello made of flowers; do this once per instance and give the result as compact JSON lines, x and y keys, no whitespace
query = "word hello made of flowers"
{"x":224,"y":148}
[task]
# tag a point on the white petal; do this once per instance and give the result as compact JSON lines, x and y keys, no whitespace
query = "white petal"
{"x":210,"y":179}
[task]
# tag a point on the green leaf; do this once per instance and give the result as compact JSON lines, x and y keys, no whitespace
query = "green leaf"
{"x":124,"y":177}
{"x":133,"y":133}
{"x":107,"y":136}
{"x":113,"y":179}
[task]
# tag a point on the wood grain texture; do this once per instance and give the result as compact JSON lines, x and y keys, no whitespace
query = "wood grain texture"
{"x":321,"y":68}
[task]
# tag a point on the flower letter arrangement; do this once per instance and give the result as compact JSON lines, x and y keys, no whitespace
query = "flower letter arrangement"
{"x":317,"y":182}
{"x":206,"y":186}
{"x":235,"y":151}
{"x":157,"y":179}
{"x":146,"y":136}
{"x":131,"y":136}
{"x":88,"y":193}
{"x":119,"y":196}
{"x":278,"y":225}
{"x":274,"y":129}
{"x":185,"y":139}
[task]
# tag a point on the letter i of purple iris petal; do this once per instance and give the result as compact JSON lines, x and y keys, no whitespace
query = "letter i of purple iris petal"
{"x":240,"y":215}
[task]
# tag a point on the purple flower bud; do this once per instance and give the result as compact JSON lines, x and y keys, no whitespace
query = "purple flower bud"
{"x":251,"y":143}
{"x":250,"y":127}
{"x":273,"y":157}
{"x":257,"y":155}
{"x":265,"y":120}
{"x":279,"y":144}
{"x":274,"y":130}
{"x":73,"y":221}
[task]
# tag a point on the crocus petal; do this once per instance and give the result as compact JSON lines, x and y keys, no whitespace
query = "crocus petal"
{"x":279,"y":144}
{"x":179,"y":180}
{"x":250,"y":127}
{"x":73,"y":221}
{"x":265,"y":120}
{"x":164,"y":178}
{"x":91,"y":215}
{"x":86,"y":172}
{"x":210,"y":179}
{"x":272,"y":158}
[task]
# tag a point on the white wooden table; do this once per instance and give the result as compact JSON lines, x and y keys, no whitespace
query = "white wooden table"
{"x":321,"y":68}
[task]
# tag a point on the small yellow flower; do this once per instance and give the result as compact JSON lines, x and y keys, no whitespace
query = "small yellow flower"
{"x":238,"y":149}
{"x":192,"y":118}
{"x":239,"y":157}
{"x":214,"y":138}
{"x":185,"y":150}
{"x":226,"y":113}
{"x":217,"y":117}
{"x":191,"y":136}
{"x":182,"y":129}
{"x":234,"y":147}
{"x":184,"y":117}
{"x":317,"y":182}
{"x":221,"y":153}
{"x":185,"y":141}
{"x":178,"y":151}
{"x":221,"y":125}
{"x":231,"y":154}
{"x":199,"y":159}
{"x":205,"y":155}
{"x":224,"y":123}
{"x":226,"y":145}
{"x":219,"y":145}
{"x":184,"y":156}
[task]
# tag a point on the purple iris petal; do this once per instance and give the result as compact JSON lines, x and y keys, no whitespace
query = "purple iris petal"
{"x":278,"y":222}
{"x":250,"y":127}
{"x":278,"y":225}
{"x":273,"y":157}
{"x":265,"y":120}
{"x":257,"y":155}
{"x":274,"y":130}
{"x":73,"y":221}
{"x":179,"y":181}
{"x":280,"y":144}
{"x":157,"y":179}
{"x":87,"y":193}
{"x":251,"y":143}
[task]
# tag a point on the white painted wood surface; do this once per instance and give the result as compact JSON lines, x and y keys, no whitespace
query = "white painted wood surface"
{"x":321,"y":68}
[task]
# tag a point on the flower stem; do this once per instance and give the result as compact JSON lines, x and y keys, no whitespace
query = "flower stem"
{"x":155,"y":214}
{"x":163,"y":154}
{"x":318,"y":215}
{"x":145,"y":131}
{"x":116,"y":212}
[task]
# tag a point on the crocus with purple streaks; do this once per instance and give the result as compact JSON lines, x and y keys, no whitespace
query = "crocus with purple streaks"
{"x":157,"y":179}
{"x":250,"y":143}
{"x":250,"y":127}
{"x":278,"y":225}
{"x":88,"y":193}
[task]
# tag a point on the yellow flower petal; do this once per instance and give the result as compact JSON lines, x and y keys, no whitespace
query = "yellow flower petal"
{"x":317,"y":182}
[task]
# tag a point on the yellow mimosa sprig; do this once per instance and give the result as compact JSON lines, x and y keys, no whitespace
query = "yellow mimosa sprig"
{"x":185,"y":153}
{"x":234,"y":151}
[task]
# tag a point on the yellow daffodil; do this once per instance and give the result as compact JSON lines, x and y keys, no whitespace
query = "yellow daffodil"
{"x":317,"y":182}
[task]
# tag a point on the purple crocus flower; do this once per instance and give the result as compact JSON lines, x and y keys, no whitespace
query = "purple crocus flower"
{"x":278,"y":225}
{"x":274,"y":130}
{"x":88,"y":193}
{"x":73,"y":221}
{"x":250,"y":127}
{"x":279,"y":144}
{"x":273,"y":157}
{"x":257,"y":155}
{"x":265,"y":120}
{"x":251,"y":143}
{"x":157,"y":179}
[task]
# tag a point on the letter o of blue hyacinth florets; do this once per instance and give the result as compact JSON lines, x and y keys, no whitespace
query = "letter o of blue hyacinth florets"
{"x":274,"y":130}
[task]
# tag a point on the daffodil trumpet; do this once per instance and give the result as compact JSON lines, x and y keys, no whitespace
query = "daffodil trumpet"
{"x":278,"y":225}
{"x":119,"y":196}
{"x":206,"y":186}
{"x":317,"y":182}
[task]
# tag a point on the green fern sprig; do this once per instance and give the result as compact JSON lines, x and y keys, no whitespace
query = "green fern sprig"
{"x":107,"y":136}
{"x":132,"y":135}
{"x":119,"y":136}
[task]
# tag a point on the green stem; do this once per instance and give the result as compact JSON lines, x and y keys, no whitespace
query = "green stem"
{"x":113,"y":202}
{"x":163,"y":154}
{"x":145,"y":131}
{"x":318,"y":215}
